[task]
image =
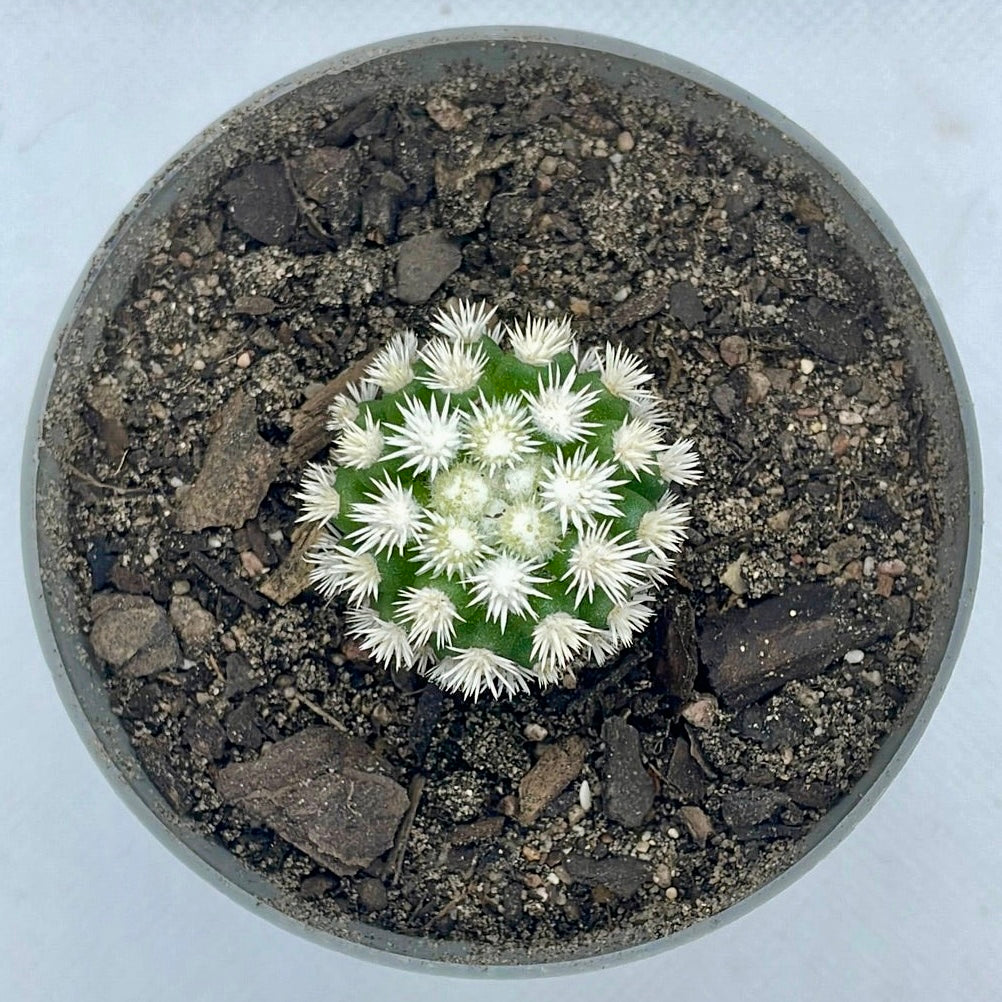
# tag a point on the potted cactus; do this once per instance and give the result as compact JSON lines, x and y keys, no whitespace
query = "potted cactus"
{"x":359,"y":512}
{"x":493,"y":516}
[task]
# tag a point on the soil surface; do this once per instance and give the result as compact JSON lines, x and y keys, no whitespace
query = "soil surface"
{"x":635,"y":799}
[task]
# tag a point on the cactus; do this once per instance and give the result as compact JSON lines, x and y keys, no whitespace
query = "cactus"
{"x":493,"y":516}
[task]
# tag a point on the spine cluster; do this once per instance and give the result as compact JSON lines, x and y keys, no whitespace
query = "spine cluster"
{"x":498,"y":503}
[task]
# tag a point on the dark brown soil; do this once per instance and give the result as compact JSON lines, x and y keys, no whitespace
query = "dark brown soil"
{"x":788,"y":647}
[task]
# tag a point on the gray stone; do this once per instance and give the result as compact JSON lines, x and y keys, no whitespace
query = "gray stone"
{"x":685,"y":305}
{"x":628,"y":792}
{"x":744,"y":810}
{"x":827,"y":331}
{"x":195,"y":626}
{"x":725,"y":399}
{"x":774,"y":724}
{"x":425,"y":262}
{"x":749,"y":653}
{"x":638,"y":307}
{"x":238,"y":468}
{"x":240,"y":677}
{"x":132,"y":633}
{"x":317,"y":885}
{"x":204,"y":734}
{"x":839,"y":553}
{"x":684,"y":777}
{"x":814,"y":794}
{"x":372,"y":894}
{"x":323,"y":791}
{"x":743,"y":194}
{"x":330,"y":177}
{"x":262,"y":204}
{"x":242,"y":726}
{"x":622,"y":875}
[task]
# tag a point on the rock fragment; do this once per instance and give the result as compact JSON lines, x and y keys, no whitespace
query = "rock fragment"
{"x":827,"y":331}
{"x":425,"y":262}
{"x":698,"y":823}
{"x":330,"y":177}
{"x":744,"y":810}
{"x":622,"y":875}
{"x":684,"y":777}
{"x":132,"y":633}
{"x":751,"y":652}
{"x":262,"y":204}
{"x":685,"y":305}
{"x":743,"y":194}
{"x":637,"y":308}
{"x":204,"y":734}
{"x":238,"y":468}
{"x":446,"y":115}
{"x":195,"y":625}
{"x":323,"y":791}
{"x":628,"y":790}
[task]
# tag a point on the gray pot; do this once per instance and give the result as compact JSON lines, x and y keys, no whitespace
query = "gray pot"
{"x":105,"y":282}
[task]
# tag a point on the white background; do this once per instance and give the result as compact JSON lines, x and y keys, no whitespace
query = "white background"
{"x":97,"y":95}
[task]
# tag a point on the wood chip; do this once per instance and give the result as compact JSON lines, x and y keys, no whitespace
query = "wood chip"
{"x":292,"y":577}
{"x":309,"y":423}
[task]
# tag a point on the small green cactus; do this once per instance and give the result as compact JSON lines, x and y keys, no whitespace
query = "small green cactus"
{"x":491,"y":516}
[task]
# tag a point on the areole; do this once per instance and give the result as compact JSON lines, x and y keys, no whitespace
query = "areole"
{"x":104,"y":284}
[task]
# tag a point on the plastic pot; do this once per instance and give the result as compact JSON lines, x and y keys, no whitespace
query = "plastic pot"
{"x":105,"y":281}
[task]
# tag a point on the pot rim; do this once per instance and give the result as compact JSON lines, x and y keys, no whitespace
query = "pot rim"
{"x":216,"y":864}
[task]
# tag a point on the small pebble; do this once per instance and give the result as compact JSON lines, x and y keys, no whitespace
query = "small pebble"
{"x":548,"y":165}
{"x":621,"y":293}
{"x":849,"y":418}
{"x":806,"y":366}
{"x":840,"y":444}
{"x":535,"y":732}
{"x":893,"y":568}
{"x":758,"y":388}
{"x":243,"y":360}
{"x":624,"y":141}
{"x":780,"y":522}
{"x":734,"y":350}
{"x":853,"y":657}
{"x":701,"y":713}
{"x":251,"y":563}
{"x":584,"y":795}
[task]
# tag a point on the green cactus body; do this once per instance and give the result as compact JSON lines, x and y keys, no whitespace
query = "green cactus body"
{"x":491,"y":516}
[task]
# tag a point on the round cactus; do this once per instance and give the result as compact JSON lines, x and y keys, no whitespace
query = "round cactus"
{"x":491,"y":516}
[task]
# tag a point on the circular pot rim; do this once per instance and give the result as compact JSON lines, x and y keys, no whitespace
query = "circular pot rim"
{"x":217,"y":865}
